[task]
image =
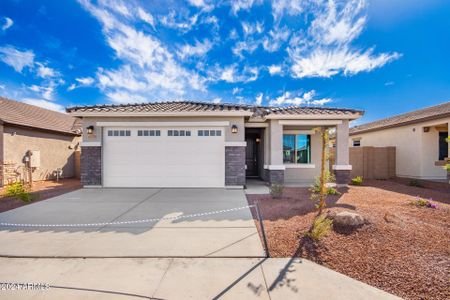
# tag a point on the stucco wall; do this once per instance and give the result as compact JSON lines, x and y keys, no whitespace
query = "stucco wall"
{"x":416,"y":150}
{"x":229,"y":137}
{"x":53,"y":147}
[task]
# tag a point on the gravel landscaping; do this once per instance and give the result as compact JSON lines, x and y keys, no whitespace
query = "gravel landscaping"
{"x":404,"y":249}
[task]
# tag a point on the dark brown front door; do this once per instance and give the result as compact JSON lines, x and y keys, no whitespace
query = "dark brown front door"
{"x":251,"y":158}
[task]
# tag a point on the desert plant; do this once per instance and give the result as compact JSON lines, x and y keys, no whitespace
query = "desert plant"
{"x":315,"y":188}
{"x":419,"y":202}
{"x":276,"y":190}
{"x":358,"y":180}
{"x":20,"y":191}
{"x":416,"y":183}
{"x":320,"y":227}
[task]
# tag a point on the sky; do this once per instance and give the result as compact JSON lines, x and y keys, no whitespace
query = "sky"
{"x":382,"y":56}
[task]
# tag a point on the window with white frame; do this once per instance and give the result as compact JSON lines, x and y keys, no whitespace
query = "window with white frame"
{"x":150,"y":132}
{"x":205,"y":132}
{"x":296,"y":148}
{"x":177,"y":132}
{"x":119,"y":133}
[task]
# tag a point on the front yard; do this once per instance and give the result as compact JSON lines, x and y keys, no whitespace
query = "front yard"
{"x":403,"y":250}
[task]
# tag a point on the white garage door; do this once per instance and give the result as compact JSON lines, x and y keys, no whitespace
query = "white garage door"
{"x":163,"y":157}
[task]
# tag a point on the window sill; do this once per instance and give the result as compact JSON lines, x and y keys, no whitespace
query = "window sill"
{"x":300,"y":166}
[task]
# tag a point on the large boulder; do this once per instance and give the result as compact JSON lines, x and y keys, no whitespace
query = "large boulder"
{"x":347,"y":219}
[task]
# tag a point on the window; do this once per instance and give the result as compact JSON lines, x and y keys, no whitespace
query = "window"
{"x":297,"y":148}
{"x":443,"y":145}
{"x":119,"y":133}
{"x":209,"y":133}
{"x":356,"y":143}
{"x":149,"y":132}
{"x":179,"y":133}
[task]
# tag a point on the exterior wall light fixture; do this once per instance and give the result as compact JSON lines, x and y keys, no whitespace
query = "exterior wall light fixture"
{"x":234,"y":129}
{"x":90,"y":129}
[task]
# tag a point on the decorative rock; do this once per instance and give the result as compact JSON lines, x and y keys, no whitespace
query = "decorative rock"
{"x":347,"y":219}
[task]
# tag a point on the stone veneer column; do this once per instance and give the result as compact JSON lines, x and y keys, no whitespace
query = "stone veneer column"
{"x":342,"y":168}
{"x":234,"y":165}
{"x":275,"y":170}
{"x":2,"y":161}
{"x":91,"y":165}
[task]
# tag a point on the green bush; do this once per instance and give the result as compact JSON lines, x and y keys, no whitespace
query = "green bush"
{"x":18,"y":190}
{"x":321,"y":226}
{"x":358,"y":180}
{"x":416,"y":183}
{"x":276,"y":190}
{"x":315,"y":188}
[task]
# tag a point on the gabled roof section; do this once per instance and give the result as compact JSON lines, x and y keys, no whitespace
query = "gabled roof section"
{"x":18,"y":113}
{"x":421,"y":115}
{"x":199,"y":108}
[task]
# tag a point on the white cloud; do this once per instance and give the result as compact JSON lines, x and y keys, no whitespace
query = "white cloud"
{"x":274,"y":69}
{"x":125,"y":97}
{"x":237,"y":5}
{"x":199,"y":49}
{"x":326,"y":49}
{"x":85,"y":80}
{"x":146,"y":17}
{"x":45,"y":92}
{"x":16,"y":58}
{"x":290,"y":7}
{"x":204,"y":5}
{"x":179,"y":22}
{"x":216,"y":100}
{"x":236,"y":90}
{"x":259,"y":98}
{"x":233,"y":74}
{"x":252,"y":28}
{"x":8,"y":23}
{"x":72,"y":87}
{"x":45,"y":72}
{"x":148,"y":69}
{"x":248,"y":46}
{"x":389,"y":83}
{"x":276,"y":38}
{"x":307,"y":98}
{"x":44,"y":104}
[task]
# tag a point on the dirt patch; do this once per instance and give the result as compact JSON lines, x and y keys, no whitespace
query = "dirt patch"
{"x":403,"y":250}
{"x":43,"y":190}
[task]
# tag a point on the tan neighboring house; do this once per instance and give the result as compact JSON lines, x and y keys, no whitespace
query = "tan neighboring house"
{"x":32,"y":135}
{"x":419,"y":138}
{"x":195,"y":144}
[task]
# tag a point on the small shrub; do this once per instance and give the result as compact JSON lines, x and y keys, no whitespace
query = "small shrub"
{"x":419,"y":202}
{"x":276,"y":190}
{"x":18,"y":190}
{"x":321,"y":226}
{"x":416,"y":183}
{"x":315,"y":188}
{"x":358,"y":180}
{"x":332,"y":191}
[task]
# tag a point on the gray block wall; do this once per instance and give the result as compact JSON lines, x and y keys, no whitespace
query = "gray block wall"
{"x":275,"y":176}
{"x":342,"y":176}
{"x":91,"y":165}
{"x":234,"y":165}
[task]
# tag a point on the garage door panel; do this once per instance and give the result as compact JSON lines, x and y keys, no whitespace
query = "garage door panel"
{"x":163,"y":161}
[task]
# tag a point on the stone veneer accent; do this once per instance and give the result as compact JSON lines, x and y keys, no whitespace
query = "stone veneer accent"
{"x":234,"y":165}
{"x":275,"y":176}
{"x":91,"y":165}
{"x":342,"y":176}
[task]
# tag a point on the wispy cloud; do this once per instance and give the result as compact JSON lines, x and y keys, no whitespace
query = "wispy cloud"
{"x":292,"y":98}
{"x":327,"y":51}
{"x":259,"y":99}
{"x":389,"y":83}
{"x":233,"y":73}
{"x":7,"y":23}
{"x":237,"y":5}
{"x":81,"y":82}
{"x":16,"y":58}
{"x":274,"y":69}
{"x":199,"y":49}
{"x":45,"y":71}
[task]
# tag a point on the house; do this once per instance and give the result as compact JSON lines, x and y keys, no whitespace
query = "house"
{"x":45,"y":139}
{"x":419,"y":138}
{"x":196,"y":144}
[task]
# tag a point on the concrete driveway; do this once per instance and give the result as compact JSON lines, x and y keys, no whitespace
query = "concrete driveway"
{"x":230,"y":234}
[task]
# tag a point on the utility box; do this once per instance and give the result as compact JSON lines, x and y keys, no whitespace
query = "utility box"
{"x":35,"y":158}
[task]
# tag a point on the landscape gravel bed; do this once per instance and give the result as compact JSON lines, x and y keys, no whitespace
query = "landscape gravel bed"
{"x":404,"y":249}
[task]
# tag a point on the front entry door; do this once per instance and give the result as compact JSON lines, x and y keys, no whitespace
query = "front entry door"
{"x":251,"y":158}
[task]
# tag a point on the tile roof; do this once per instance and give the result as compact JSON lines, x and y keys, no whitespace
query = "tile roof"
{"x":18,"y":113}
{"x":190,"y":106}
{"x":429,"y":113}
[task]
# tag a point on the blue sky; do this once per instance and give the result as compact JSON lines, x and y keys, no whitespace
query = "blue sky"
{"x":383,"y":56}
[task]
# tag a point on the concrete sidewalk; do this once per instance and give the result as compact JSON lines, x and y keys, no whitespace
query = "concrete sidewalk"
{"x":184,"y":278}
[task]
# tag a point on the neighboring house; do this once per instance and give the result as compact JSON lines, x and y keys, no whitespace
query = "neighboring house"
{"x":51,"y":137}
{"x":419,"y":138}
{"x":195,"y":144}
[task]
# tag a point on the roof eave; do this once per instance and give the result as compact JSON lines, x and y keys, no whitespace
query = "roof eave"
{"x":40,"y":128}
{"x":164,"y":114}
{"x":350,"y":117}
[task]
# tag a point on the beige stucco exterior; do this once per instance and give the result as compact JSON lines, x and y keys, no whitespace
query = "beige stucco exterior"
{"x":56,"y":151}
{"x":417,"y":149}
